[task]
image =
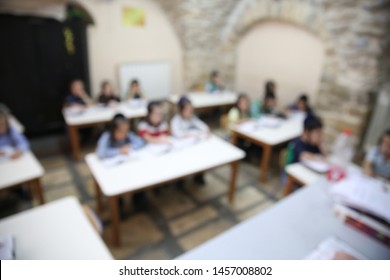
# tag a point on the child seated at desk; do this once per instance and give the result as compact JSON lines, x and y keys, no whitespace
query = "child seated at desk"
{"x":118,"y":140}
{"x":309,"y":146}
{"x":377,"y":162}
{"x":240,"y":112}
{"x":77,"y":96}
{"x":265,"y":107}
{"x":154,"y":129}
{"x":215,"y":83}
{"x":11,"y":141}
{"x":107,"y":95}
{"x":185,"y":123}
{"x":301,"y":105}
{"x":135,"y":90}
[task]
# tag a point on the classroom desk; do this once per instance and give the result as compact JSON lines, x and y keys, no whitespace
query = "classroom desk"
{"x":298,"y":173}
{"x":25,"y":169}
{"x":201,"y":100}
{"x":58,"y":230}
{"x":267,"y":138}
{"x":96,"y":115}
{"x":291,"y":229}
{"x":14,"y":122}
{"x":139,"y":174}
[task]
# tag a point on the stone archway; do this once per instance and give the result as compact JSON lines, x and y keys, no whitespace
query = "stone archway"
{"x":351,"y":35}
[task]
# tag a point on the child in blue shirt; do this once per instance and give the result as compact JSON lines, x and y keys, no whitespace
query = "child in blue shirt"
{"x":215,"y":83}
{"x":10,"y":138}
{"x":377,"y":162}
{"x":118,"y":140}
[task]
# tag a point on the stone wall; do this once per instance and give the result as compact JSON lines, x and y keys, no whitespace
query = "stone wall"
{"x":352,"y":31}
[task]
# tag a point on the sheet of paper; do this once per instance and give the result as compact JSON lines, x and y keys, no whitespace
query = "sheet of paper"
{"x":327,"y":249}
{"x":6,"y":153}
{"x":364,"y":193}
{"x":270,"y":122}
{"x":316,"y":165}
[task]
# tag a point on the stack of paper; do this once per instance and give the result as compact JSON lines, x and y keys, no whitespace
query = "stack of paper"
{"x":328,"y":248}
{"x":364,"y":193}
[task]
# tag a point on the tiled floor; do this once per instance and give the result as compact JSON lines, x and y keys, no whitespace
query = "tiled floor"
{"x":169,"y":222}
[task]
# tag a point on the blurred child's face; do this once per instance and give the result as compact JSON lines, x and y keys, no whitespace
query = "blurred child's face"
{"x":188,"y":111}
{"x":270,"y":103}
{"x":77,"y":88}
{"x":134,"y":88}
{"x":315,"y":137}
{"x":3,"y":125}
{"x":121,"y":132}
{"x":107,"y":89}
{"x":216,"y":80}
{"x":243,"y":104}
{"x":301,"y":106}
{"x":156,"y":116}
{"x":385,"y":146}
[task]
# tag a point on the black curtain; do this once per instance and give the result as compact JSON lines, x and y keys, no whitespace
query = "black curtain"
{"x":36,"y":64}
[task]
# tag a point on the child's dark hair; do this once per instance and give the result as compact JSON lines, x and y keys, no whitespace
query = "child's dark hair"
{"x":134,"y":82}
{"x":104,"y":83}
{"x":386,"y":133}
{"x":312,"y":123}
{"x":152,"y":105}
{"x":214,"y":74}
{"x":304,"y":98}
{"x":117,"y":120}
{"x":183,"y":102}
{"x":269,"y":89}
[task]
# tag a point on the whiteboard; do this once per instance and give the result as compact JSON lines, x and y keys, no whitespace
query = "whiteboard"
{"x":154,"y":78}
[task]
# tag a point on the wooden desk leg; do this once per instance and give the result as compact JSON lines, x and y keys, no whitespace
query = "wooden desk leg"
{"x":99,"y":199}
{"x":74,"y":141}
{"x":265,"y":162}
{"x":233,"y":179}
{"x":289,"y":186}
{"x":39,"y":191}
{"x":234,"y":138}
{"x":115,"y":223}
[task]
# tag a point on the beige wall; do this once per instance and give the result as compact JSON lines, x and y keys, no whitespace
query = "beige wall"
{"x":112,"y":44}
{"x":287,"y":54}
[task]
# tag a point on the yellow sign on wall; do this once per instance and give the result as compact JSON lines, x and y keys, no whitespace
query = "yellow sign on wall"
{"x":133,"y":16}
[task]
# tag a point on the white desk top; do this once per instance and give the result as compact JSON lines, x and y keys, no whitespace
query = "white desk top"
{"x":14,"y":122}
{"x":303,"y":174}
{"x":56,"y":230}
{"x":98,"y":114}
{"x":288,"y":130}
{"x":291,"y":229}
{"x":20,"y":170}
{"x":139,"y":173}
{"x":206,"y":99}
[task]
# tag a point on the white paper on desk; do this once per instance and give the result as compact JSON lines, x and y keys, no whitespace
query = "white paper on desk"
{"x":327,"y":249}
{"x":7,"y":151}
{"x":178,"y":144}
{"x":364,"y":193}
{"x":7,"y":247}
{"x":118,"y":159}
{"x":248,"y":126}
{"x":316,"y":165}
{"x":157,"y":149}
{"x":270,"y":122}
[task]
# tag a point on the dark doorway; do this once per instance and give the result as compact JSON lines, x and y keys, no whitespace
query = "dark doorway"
{"x":38,"y":58}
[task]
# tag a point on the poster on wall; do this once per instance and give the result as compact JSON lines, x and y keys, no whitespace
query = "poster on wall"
{"x":133,"y":17}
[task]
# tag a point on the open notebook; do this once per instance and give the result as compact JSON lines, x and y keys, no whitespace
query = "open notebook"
{"x":364,"y":193}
